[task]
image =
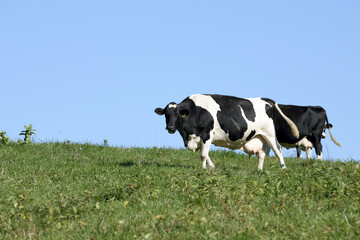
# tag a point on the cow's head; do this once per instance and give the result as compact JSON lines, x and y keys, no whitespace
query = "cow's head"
{"x":171,"y":116}
{"x":176,"y":119}
{"x":192,"y":122}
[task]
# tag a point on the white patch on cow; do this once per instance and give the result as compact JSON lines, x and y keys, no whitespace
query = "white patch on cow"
{"x":303,"y":144}
{"x":193,"y":143}
{"x":263,"y":124}
{"x":207,"y":102}
{"x":172,"y":105}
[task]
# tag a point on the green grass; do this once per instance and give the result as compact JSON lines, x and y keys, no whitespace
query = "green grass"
{"x":82,"y":191}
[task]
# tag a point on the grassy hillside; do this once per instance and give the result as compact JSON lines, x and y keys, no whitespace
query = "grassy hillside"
{"x":72,"y":191}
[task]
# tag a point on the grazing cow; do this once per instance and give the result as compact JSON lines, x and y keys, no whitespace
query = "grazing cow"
{"x":225,"y":121}
{"x":311,"y":123}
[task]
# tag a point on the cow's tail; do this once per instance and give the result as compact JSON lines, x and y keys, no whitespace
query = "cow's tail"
{"x":329,"y":126}
{"x":294,"y":129}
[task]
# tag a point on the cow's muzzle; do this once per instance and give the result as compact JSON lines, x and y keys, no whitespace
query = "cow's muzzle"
{"x":171,"y":129}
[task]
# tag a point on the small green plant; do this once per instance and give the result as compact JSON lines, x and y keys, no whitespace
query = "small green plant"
{"x":27,"y":133}
{"x":3,"y":138}
{"x":105,"y":144}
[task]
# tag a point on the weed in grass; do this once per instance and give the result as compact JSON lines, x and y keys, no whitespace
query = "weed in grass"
{"x":3,"y":139}
{"x":27,"y":133}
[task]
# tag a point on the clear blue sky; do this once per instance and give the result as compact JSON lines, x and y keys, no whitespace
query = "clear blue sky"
{"x":85,"y":71}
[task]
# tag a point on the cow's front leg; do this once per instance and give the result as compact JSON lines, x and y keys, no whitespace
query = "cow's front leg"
{"x":205,"y":148}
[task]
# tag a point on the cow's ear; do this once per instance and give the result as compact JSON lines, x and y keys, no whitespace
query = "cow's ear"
{"x":159,"y":111}
{"x":184,"y":113}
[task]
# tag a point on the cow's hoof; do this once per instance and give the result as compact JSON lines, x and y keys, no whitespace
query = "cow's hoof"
{"x":211,"y":168}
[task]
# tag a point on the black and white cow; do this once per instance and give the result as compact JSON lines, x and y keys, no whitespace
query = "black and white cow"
{"x":306,"y":145}
{"x":224,"y":121}
{"x":311,"y":122}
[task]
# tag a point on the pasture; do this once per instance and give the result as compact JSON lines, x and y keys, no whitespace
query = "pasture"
{"x":83,"y":191}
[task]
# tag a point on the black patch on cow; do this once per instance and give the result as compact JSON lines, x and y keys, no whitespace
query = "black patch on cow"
{"x":268,"y":100}
{"x":269,"y":109}
{"x":251,"y":135}
{"x":192,"y":119}
{"x":248,"y":109}
{"x":230,"y":117}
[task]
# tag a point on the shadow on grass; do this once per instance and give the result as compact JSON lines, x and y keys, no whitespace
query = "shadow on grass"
{"x":127,"y":164}
{"x":152,"y":164}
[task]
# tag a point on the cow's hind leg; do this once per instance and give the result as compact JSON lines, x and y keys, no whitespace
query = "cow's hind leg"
{"x":275,"y":146}
{"x":261,"y":155}
{"x":298,"y":151}
{"x":318,"y":148}
{"x":205,"y":148}
{"x":308,"y":153}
